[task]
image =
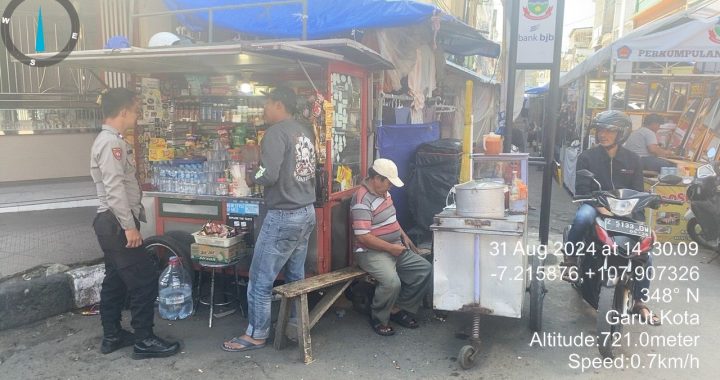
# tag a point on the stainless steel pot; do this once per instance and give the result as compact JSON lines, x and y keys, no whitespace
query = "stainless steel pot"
{"x":480,"y":199}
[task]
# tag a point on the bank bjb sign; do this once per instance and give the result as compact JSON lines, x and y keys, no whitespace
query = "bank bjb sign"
{"x":536,"y":32}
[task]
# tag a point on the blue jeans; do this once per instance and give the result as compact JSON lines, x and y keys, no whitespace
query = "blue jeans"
{"x":584,"y":219}
{"x":283,"y":241}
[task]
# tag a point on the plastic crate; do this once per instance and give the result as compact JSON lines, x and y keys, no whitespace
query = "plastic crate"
{"x":217,"y":241}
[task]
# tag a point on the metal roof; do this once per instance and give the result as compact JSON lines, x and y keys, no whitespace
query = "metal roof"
{"x":265,"y":57}
{"x":464,"y":71}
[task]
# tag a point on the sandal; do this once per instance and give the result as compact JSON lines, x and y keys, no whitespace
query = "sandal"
{"x":404,"y":319}
{"x":652,"y":320}
{"x":380,"y":328}
{"x":247,"y":346}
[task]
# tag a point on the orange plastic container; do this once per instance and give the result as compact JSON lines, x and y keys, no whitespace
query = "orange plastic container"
{"x":492,"y":144}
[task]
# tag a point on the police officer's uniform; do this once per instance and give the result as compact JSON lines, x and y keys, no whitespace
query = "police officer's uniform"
{"x":128,"y":271}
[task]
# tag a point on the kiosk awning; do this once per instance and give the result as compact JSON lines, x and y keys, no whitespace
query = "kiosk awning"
{"x":695,"y":16}
{"x":694,"y":41}
{"x":265,"y":57}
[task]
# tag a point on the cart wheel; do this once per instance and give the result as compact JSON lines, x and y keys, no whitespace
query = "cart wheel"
{"x":466,"y":357}
{"x":162,"y":248}
{"x":537,"y":295}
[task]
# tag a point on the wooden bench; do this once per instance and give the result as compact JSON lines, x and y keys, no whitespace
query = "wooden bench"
{"x":337,"y":281}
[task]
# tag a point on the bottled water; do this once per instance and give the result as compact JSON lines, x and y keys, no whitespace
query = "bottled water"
{"x":175,"y":292}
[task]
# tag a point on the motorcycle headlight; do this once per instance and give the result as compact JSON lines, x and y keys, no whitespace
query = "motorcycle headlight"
{"x":622,"y":207}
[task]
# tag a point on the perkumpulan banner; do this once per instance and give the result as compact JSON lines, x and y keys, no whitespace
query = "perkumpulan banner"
{"x":695,"y":41}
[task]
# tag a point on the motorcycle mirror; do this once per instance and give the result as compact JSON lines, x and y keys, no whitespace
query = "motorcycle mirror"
{"x":711,"y":153}
{"x":670,"y":179}
{"x":705,"y":171}
{"x":585,"y":173}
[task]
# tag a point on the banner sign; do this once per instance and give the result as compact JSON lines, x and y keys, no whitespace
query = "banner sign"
{"x":695,"y":41}
{"x":536,"y":32}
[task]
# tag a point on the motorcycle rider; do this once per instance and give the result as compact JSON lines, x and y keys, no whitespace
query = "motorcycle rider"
{"x":614,"y":167}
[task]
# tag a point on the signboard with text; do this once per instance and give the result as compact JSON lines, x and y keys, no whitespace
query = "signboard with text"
{"x":536,"y":33}
{"x":694,"y":41}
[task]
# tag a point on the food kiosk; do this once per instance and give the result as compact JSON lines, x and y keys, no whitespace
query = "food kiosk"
{"x":201,"y":127}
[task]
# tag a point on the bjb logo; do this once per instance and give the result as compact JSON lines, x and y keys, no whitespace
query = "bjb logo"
{"x":537,"y":9}
{"x":542,"y":37}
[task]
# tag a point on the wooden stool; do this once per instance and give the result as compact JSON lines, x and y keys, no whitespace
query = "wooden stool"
{"x":339,"y":280}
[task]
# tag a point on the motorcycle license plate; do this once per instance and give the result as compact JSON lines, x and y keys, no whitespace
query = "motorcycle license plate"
{"x":625,"y":227}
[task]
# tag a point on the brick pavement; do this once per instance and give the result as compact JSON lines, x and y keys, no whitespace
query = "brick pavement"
{"x":64,"y":236}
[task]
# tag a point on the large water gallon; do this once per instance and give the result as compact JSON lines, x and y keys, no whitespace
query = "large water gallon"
{"x":175,"y":292}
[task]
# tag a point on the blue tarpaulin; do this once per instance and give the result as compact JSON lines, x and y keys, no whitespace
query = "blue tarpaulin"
{"x":327,"y":18}
{"x":399,"y":143}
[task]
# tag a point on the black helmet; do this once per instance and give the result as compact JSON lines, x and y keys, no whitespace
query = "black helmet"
{"x":613,"y":121}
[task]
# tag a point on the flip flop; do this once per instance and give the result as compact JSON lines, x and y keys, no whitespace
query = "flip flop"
{"x":653,"y":320}
{"x":238,"y":340}
{"x":380,"y":328}
{"x":404,"y":319}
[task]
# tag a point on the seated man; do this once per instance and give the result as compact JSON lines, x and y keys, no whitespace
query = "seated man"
{"x":384,"y":251}
{"x":644,"y":143}
{"x":614,"y":167}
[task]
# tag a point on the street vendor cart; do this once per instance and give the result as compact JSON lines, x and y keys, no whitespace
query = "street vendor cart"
{"x":480,"y":250}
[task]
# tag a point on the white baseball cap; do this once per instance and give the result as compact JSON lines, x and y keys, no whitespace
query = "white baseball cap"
{"x":388,"y":169}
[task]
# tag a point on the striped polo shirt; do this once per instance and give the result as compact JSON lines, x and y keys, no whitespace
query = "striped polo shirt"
{"x":374,"y":214}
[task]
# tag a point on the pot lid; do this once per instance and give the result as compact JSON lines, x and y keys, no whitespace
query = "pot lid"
{"x":480,"y":185}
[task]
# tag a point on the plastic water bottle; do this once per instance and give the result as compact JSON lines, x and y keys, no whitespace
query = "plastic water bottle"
{"x":175,"y":298}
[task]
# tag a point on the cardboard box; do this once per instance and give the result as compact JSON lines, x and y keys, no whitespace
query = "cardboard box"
{"x":668,"y":221}
{"x":212,"y":254}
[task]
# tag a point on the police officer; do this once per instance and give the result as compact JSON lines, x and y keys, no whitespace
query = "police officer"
{"x":129,"y":270}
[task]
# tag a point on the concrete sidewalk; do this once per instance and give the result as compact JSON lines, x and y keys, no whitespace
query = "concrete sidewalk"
{"x":47,"y":195}
{"x":46,"y":222}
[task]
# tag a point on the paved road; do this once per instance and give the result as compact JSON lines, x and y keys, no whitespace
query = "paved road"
{"x":65,"y":347}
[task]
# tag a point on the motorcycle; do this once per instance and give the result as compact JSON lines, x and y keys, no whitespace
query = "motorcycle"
{"x":704,"y":215}
{"x":614,"y":255}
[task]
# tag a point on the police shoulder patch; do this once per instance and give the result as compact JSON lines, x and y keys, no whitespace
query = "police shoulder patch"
{"x":117,"y":153}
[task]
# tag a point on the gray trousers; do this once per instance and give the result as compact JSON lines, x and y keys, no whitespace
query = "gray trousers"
{"x":402,"y":281}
